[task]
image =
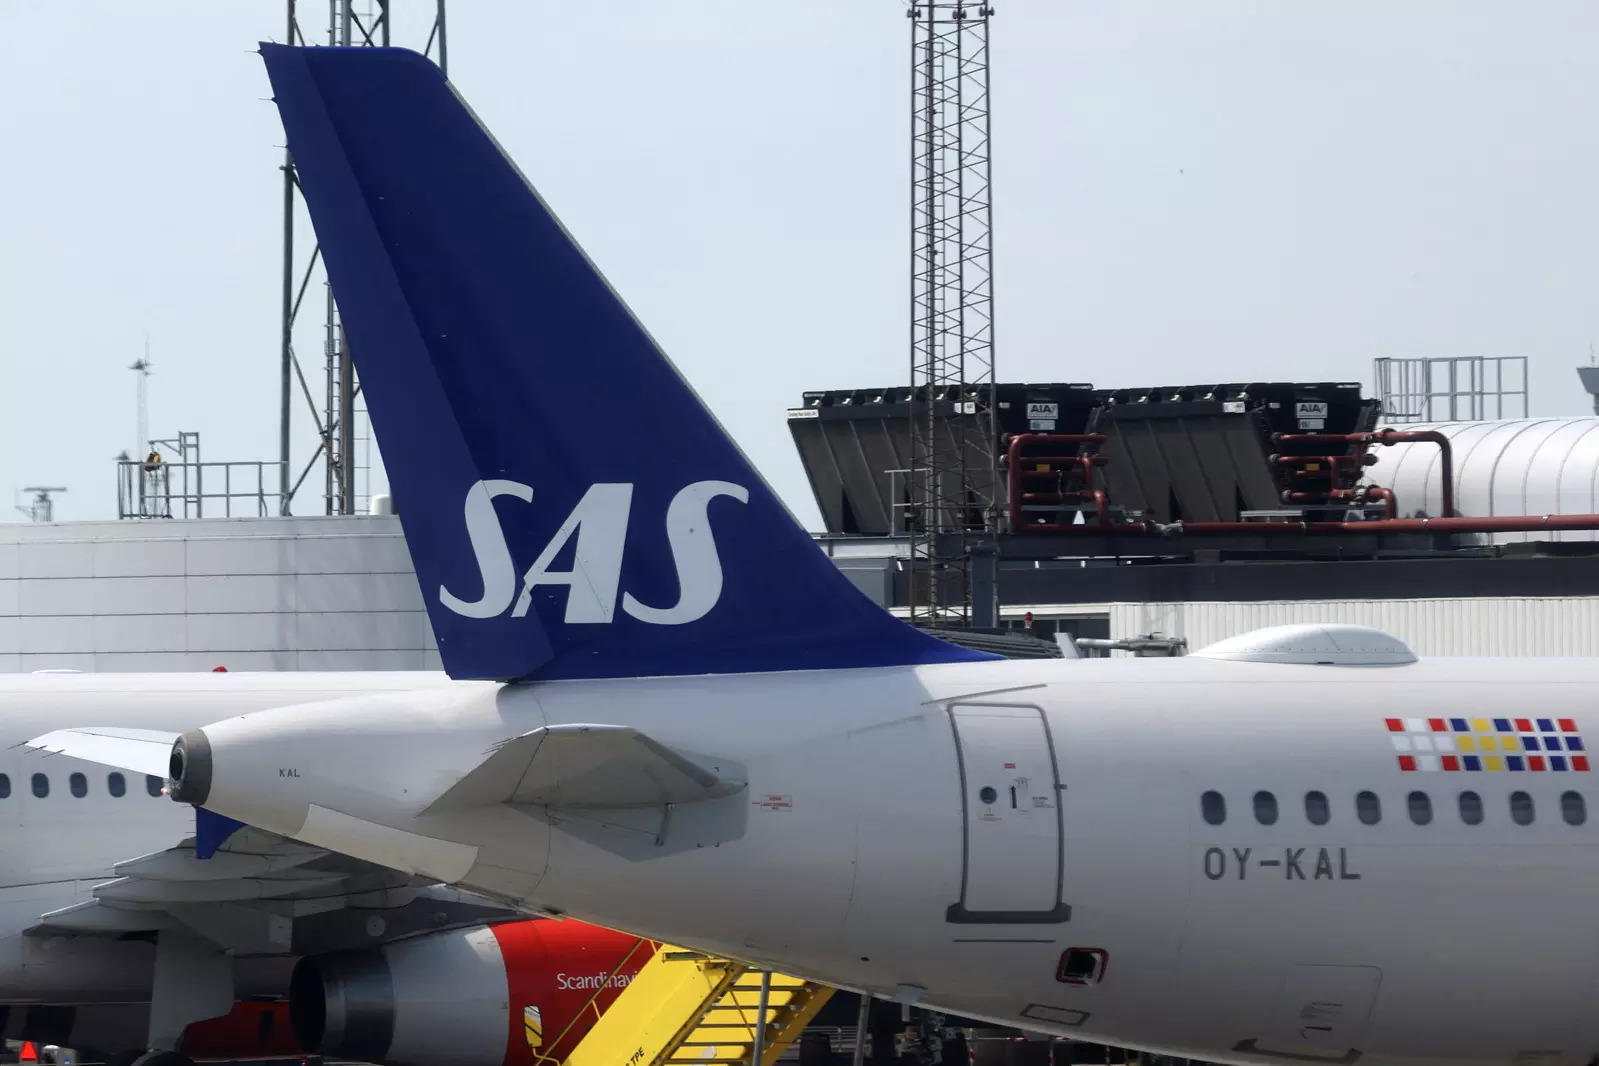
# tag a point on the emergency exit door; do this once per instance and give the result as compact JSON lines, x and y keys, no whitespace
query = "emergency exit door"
{"x":1011,"y":869}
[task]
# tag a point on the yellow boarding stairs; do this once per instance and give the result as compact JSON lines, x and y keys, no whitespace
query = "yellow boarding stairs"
{"x":686,"y":1008}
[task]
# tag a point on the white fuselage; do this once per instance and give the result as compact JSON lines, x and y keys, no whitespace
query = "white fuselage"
{"x":944,"y":833}
{"x":55,"y":847}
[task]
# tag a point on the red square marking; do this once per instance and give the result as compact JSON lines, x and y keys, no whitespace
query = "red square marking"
{"x":1408,"y":762}
{"x":1568,"y":725}
{"x":1438,"y":725}
{"x":1397,"y":725}
{"x":1451,"y":762}
{"x":1535,"y":762}
{"x":1579,"y":762}
{"x":1524,"y":725}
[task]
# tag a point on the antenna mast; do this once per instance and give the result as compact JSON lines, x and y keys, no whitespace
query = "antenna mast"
{"x":336,"y":413}
{"x":952,"y":483}
{"x":141,"y":368}
{"x":41,"y":508}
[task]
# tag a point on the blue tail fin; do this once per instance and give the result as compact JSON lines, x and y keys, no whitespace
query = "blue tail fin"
{"x":571,"y":507}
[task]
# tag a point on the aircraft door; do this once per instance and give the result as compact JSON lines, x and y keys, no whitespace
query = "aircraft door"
{"x":1011,"y":807}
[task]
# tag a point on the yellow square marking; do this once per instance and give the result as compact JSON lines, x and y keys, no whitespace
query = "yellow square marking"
{"x":1466,"y":743}
{"x":1480,"y":725}
{"x":1492,"y":762}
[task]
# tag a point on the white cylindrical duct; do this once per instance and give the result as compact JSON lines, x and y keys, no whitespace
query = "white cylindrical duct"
{"x":1527,"y":466}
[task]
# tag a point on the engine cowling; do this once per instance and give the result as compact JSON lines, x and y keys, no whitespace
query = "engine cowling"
{"x":251,"y":1030}
{"x":483,"y":996}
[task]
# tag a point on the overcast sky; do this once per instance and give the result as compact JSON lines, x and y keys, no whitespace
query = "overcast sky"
{"x":1193,"y":190}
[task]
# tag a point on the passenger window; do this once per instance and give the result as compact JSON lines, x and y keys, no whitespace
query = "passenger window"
{"x":1368,"y":808}
{"x":116,"y":784}
{"x":1572,"y":808}
{"x":79,"y":785}
{"x":1265,"y":808}
{"x":1213,"y":807}
{"x":5,"y":786}
{"x":1420,"y":808}
{"x":152,"y":784}
{"x":41,"y":785}
{"x":1521,"y":811}
{"x":1316,"y":810}
{"x":1471,"y":808}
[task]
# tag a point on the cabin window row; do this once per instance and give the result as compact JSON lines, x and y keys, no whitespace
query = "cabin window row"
{"x":116,"y":785}
{"x":1418,"y":805}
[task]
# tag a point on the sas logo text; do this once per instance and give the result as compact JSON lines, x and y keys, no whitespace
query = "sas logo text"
{"x":598,"y":525}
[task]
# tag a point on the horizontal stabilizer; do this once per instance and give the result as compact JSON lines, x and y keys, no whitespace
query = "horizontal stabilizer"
{"x":143,"y":751}
{"x":585,"y":766}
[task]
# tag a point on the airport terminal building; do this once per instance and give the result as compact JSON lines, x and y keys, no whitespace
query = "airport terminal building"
{"x":196,"y":592}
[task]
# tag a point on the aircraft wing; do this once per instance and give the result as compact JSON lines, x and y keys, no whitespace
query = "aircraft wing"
{"x":263,"y":894}
{"x":143,"y":751}
{"x":248,"y":890}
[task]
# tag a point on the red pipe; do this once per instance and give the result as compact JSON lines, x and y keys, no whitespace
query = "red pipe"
{"x":1389,"y":437}
{"x":1370,"y":492}
{"x":1013,"y":456}
{"x":1378,"y":492}
{"x":1366,"y":459}
{"x":1058,"y":438}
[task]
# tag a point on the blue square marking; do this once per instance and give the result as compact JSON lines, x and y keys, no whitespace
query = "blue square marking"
{"x":1502,"y":725}
{"x":1513,"y":762}
{"x":1530,"y":744}
{"x":1551,"y":743}
{"x":1546,"y":725}
{"x":1557,"y":762}
{"x":1472,"y":762}
{"x":1574,"y":743}
{"x":1459,"y":725}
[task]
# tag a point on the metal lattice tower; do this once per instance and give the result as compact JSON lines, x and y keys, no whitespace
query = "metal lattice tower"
{"x":335,"y":414}
{"x":953,"y":482}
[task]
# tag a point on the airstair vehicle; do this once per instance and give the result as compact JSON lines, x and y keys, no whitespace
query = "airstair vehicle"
{"x":685,"y":1007}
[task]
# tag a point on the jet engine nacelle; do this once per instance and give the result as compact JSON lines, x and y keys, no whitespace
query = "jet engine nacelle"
{"x":473,"y":997}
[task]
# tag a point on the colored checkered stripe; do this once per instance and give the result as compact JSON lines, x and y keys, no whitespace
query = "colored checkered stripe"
{"x":1488,"y":745}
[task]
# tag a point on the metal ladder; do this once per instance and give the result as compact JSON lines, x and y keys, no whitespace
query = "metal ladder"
{"x":690,"y":1009}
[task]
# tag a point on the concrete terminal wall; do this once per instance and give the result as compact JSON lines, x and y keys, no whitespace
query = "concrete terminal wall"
{"x":248,"y":594}
{"x":340,"y":594}
{"x":1498,"y":625}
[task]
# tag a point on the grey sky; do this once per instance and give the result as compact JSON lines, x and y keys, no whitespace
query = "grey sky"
{"x":1185,"y":191}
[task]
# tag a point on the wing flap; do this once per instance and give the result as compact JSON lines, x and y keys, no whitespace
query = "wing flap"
{"x":182,"y":864}
{"x":580,"y":767}
{"x":96,"y":916}
{"x":235,"y":890}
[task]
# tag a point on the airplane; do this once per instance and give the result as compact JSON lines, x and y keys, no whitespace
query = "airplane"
{"x":251,"y":947}
{"x":673,"y":715}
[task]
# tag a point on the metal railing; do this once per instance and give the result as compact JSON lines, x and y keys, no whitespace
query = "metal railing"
{"x":159,"y":488}
{"x":1452,"y":388}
